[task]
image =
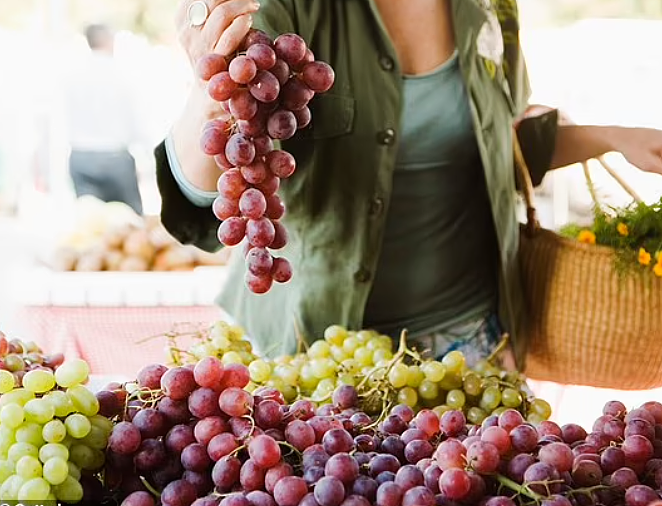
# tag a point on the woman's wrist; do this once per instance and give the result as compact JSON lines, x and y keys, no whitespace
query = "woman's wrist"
{"x":198,"y":168}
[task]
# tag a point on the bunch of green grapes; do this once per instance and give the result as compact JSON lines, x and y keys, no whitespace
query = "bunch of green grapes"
{"x":18,"y":357}
{"x":50,"y":433}
{"x":222,"y":340}
{"x":364,"y":358}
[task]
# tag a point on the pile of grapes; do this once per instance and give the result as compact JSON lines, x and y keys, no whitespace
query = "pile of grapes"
{"x":382,"y":376}
{"x":265,"y":89}
{"x":52,"y":438}
{"x":19,"y":357}
{"x":193,"y":435}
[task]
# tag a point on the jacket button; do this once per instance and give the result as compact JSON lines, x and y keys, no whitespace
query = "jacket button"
{"x":386,"y":62}
{"x":376,"y":207}
{"x":386,"y":137}
{"x":362,"y":275}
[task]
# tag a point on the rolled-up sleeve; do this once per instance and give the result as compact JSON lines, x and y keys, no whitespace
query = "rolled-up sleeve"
{"x":537,"y":137}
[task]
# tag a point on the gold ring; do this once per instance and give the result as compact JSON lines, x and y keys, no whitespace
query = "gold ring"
{"x":197,"y":13}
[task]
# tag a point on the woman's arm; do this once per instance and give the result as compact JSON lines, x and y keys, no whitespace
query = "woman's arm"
{"x":642,"y":147}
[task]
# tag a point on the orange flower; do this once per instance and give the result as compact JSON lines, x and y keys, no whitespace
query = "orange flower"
{"x":658,"y":270}
{"x":623,"y":229}
{"x":644,"y":257}
{"x":586,"y":236}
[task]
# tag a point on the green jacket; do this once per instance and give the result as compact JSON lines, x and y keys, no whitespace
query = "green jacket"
{"x":337,"y":199}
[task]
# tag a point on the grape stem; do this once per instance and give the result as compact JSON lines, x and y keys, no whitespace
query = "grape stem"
{"x":505,"y":339}
{"x":149,"y":487}
{"x":589,"y":490}
{"x":516,"y":487}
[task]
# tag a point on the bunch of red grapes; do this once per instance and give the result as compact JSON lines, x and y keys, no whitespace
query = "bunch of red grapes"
{"x":265,"y":90}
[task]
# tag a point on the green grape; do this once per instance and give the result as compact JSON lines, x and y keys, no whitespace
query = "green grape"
{"x":30,"y":432}
{"x":363,"y":336}
{"x":428,"y":390}
{"x":433,"y":370}
{"x":319,"y":349}
{"x":287,"y":373}
{"x":74,"y":470}
{"x":363,"y":355}
{"x":39,"y":411}
{"x":414,"y":376}
{"x":72,"y":372}
{"x":374,"y":344}
{"x":55,"y":471}
{"x":68,"y":441}
{"x":490,"y":399}
{"x":220,"y":341}
{"x":441,"y":409}
{"x":347,"y":379}
{"x":323,"y":367}
{"x":78,"y":426}
{"x":275,"y":382}
{"x":6,"y":470}
{"x":259,"y":370}
{"x":500,"y":410}
{"x":454,"y":361}
{"x":472,"y":384}
{"x":28,"y":467}
{"x":290,"y":393}
{"x":381,"y":354}
{"x":10,"y":488}
{"x":326,"y":386}
{"x":14,"y":363}
{"x":83,"y":400}
{"x":18,"y":396}
{"x":408,"y":396}
{"x":246,"y":357}
{"x":451,"y":381}
{"x":351,"y":366}
{"x":36,"y":489}
{"x":84,"y":457}
{"x":231,"y":357}
{"x":60,"y":402}
{"x":12,"y":416}
{"x":7,"y":438}
{"x":541,"y":407}
{"x":283,"y":360}
{"x":335,"y":335}
{"x":511,"y":398}
{"x":54,"y":431}
{"x":307,"y":379}
{"x":339,"y":354}
{"x":18,"y":450}
{"x":534,"y":418}
{"x":52,"y":451}
{"x":102,"y":422}
{"x":236,"y":333}
{"x":476,"y":415}
{"x":7,"y":381}
{"x":398,"y":374}
{"x":456,"y":399}
{"x":350,"y":344}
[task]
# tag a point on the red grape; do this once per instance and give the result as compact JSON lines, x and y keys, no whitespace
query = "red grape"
{"x":265,"y":87}
{"x":258,"y":284}
{"x":290,"y":490}
{"x":208,"y":372}
{"x":329,"y":491}
{"x":232,"y":184}
{"x":221,"y":86}
{"x":281,"y":163}
{"x":150,"y":376}
{"x":260,"y":232}
{"x":303,"y":117}
{"x":483,"y":457}
{"x":295,"y":95}
{"x":282,"y":125}
{"x":178,"y":438}
{"x":270,"y":185}
{"x":455,"y":483}
{"x":242,"y":105}
{"x":213,"y":141}
{"x":259,"y":262}
{"x":290,"y":47}
{"x":263,"y":145}
{"x":256,"y":36}
{"x":232,"y":231}
{"x":235,"y":401}
{"x":299,"y":434}
{"x":282,"y":71}
{"x":318,"y":76}
{"x":280,"y":237}
{"x":221,"y":445}
{"x":242,"y":69}
{"x":125,"y":438}
{"x":275,"y":209}
{"x":252,"y":204}
{"x":210,"y":65}
{"x":263,"y":55}
{"x":240,"y":150}
{"x":281,"y":271}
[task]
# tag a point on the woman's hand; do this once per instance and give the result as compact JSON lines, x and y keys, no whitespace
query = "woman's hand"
{"x":642,"y":147}
{"x":226,"y":26}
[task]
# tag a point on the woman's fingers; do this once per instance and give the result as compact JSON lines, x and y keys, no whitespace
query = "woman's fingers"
{"x":222,"y":17}
{"x":234,"y":34}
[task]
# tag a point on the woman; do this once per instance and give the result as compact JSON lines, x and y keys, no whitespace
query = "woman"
{"x":402,"y":213}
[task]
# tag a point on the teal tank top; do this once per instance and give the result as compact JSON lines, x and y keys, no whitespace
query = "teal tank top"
{"x":439,"y":256}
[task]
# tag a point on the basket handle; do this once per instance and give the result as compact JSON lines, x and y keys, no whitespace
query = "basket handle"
{"x":526,"y":185}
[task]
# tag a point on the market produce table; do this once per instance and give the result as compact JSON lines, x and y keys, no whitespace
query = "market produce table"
{"x":102,"y":316}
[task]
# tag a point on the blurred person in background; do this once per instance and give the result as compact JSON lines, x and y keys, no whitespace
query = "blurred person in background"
{"x":102,"y":124}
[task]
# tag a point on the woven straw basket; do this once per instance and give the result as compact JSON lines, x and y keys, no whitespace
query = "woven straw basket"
{"x":586,"y":324}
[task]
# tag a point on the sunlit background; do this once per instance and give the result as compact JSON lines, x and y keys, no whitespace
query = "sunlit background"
{"x":598,"y":60}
